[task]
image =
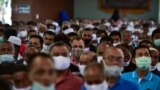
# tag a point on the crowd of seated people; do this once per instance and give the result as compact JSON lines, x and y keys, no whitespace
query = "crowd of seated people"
{"x":80,"y":54}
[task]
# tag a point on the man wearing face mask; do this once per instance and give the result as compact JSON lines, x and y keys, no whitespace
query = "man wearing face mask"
{"x":48,"y":41}
{"x":100,"y":50}
{"x":7,"y":52}
{"x":65,"y":80}
{"x":42,"y":72}
{"x":94,"y":77}
{"x":113,"y":65}
{"x":77,"y":44}
{"x":156,"y":38}
{"x":66,"y":27}
{"x":87,"y":37}
{"x":85,"y":59}
{"x":155,"y":60}
{"x":142,"y":76}
{"x":116,"y":37}
{"x":128,"y":65}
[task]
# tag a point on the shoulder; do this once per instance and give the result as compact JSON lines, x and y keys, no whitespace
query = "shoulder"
{"x":129,"y":74}
{"x":130,"y":84}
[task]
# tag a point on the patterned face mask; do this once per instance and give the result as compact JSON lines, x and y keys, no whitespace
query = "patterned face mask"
{"x":77,"y":52}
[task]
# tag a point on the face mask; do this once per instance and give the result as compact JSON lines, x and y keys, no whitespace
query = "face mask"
{"x":102,"y":86}
{"x":26,"y":88}
{"x":77,"y":52}
{"x":81,"y":68}
{"x":61,"y":62}
{"x":1,"y":39}
{"x":98,"y":40}
{"x":6,"y":58}
{"x":152,"y":68}
{"x":113,"y":71}
{"x":143,"y":62}
{"x":22,"y":34}
{"x":126,"y":63}
{"x":37,"y":86}
{"x":157,"y":42}
{"x":41,"y":34}
{"x":99,"y":58}
{"x":115,"y":44}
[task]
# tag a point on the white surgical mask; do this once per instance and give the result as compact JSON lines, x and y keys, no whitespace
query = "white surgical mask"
{"x":61,"y":62}
{"x":152,"y":68}
{"x":81,"y":68}
{"x":37,"y":86}
{"x":126,"y":63}
{"x":117,"y":43}
{"x":22,"y":34}
{"x":113,"y":71}
{"x":6,"y":58}
{"x":25,"y":88}
{"x":102,"y":86}
{"x":99,"y":58}
{"x":41,"y":34}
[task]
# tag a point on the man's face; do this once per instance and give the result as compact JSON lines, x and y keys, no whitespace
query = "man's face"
{"x":78,"y":44}
{"x":42,"y":71}
{"x":101,"y":48}
{"x":127,"y":37}
{"x":35,"y":42}
{"x":94,"y":76}
{"x":21,"y":79}
{"x":114,"y":57}
{"x":87,"y":35}
{"x":6,"y":48}
{"x":29,"y":52}
{"x":142,"y":52}
{"x":155,"y":57}
{"x":48,"y":39}
{"x":59,"y":51}
{"x":116,"y":38}
{"x":127,"y":54}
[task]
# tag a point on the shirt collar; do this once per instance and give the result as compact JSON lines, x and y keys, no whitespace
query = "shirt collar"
{"x":147,"y":77}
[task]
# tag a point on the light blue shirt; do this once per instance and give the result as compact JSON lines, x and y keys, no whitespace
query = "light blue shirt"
{"x":149,"y":82}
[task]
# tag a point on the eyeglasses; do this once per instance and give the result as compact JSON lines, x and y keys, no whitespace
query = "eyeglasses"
{"x":113,"y":58}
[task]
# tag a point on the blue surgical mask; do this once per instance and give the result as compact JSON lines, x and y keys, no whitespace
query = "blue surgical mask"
{"x":157,"y":42}
{"x":6,"y":58}
{"x":1,"y":39}
{"x":37,"y":86}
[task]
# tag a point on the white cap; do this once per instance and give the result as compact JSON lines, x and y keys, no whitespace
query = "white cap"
{"x":67,"y":31}
{"x":15,"y":40}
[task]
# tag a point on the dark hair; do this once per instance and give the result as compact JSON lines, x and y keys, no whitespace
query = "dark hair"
{"x":72,"y":34}
{"x":20,"y":67}
{"x":7,"y":68}
{"x":140,"y":47}
{"x":106,"y":38}
{"x":76,"y":38}
{"x":34,"y":56}
{"x":31,"y":23}
{"x":62,"y":38}
{"x":38,"y":37}
{"x":87,"y":29}
{"x":155,"y":32}
{"x":60,"y":44}
{"x":4,"y":85}
{"x":10,"y":32}
{"x":145,"y":41}
{"x":74,"y":26}
{"x":114,"y":33}
{"x":31,"y":31}
{"x":102,"y":31}
{"x":49,"y":33}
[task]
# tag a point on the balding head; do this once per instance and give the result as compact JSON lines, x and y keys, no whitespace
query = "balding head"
{"x":113,"y":56}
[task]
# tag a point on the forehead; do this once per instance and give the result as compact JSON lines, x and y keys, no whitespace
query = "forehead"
{"x":6,"y":45}
{"x":34,"y":40}
{"x":93,"y":73}
{"x":142,"y":50}
{"x":47,"y":35}
{"x":78,"y":42}
{"x":59,"y":49}
{"x":114,"y":52}
{"x":42,"y":63}
{"x":87,"y":32}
